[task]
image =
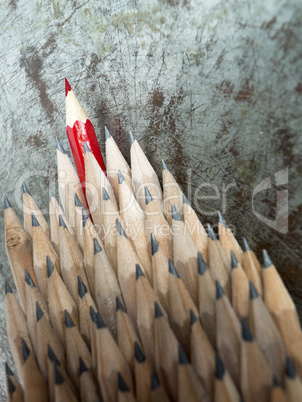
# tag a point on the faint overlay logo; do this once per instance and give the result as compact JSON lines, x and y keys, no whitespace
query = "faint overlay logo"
{"x":280,"y":224}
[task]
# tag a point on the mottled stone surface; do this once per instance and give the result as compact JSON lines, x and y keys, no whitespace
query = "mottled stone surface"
{"x":210,"y":86}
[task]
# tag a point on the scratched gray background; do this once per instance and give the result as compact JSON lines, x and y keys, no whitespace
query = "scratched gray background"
{"x":211,"y":86}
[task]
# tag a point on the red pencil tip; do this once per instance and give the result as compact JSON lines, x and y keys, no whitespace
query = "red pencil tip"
{"x":67,"y":87}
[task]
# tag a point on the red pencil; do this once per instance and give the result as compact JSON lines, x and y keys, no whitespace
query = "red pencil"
{"x":79,"y":129}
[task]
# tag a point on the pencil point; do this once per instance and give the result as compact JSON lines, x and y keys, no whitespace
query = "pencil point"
{"x":182,"y":358}
{"x":49,"y":266}
{"x":266,"y":259}
{"x":99,"y":321}
{"x":67,"y":87}
{"x":154,"y":382}
{"x":39,"y":312}
{"x":148,"y":196}
{"x":122,"y":386}
{"x":175,"y":214}
{"x":8,"y":289}
{"x":139,"y":272}
{"x":97,"y":247}
{"x":172,"y":269}
{"x":25,"y":189}
{"x":49,"y":195}
{"x":245,"y":331}
{"x":82,"y":365}
{"x":193,"y":317}
{"x":132,"y":139}
{"x":211,"y":234}
{"x":68,"y":321}
{"x":28,"y":279}
{"x":276,"y":382}
{"x":120,"y":177}
{"x":201,"y":265}
{"x":234,"y":261}
{"x":61,"y":222}
{"x":105,"y":194}
{"x":82,"y":290}
{"x":92,"y":314}
{"x":11,"y":387}
{"x":221,"y":219}
{"x":51,"y":355}
{"x":8,"y":371}
{"x":107,"y":134}
{"x":84,"y":217}
{"x":290,"y":370}
{"x":138,"y":353}
{"x":219,"y":290}
{"x":120,"y":229}
{"x":164,"y":166}
{"x":119,"y":305}
{"x":34,"y":221}
{"x":25,"y":350}
{"x":154,"y":244}
{"x":157,"y":310}
{"x":86,"y":147}
{"x":253,"y":291}
{"x":246,"y":246}
{"x":6,"y":202}
{"x":219,"y":372}
{"x":185,"y":200}
{"x":77,"y":201}
{"x":58,"y":377}
{"x":59,"y":146}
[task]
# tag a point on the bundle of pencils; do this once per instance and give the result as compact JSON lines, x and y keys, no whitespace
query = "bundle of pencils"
{"x":129,"y":298}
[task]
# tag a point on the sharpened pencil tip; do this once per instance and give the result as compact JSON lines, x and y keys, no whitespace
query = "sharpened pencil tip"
{"x":120,"y":229}
{"x":219,"y":371}
{"x":139,"y":272}
{"x":25,"y":350}
{"x":122,"y":386}
{"x":6,"y":203}
{"x":193,"y":317}
{"x":49,"y":195}
{"x":86,"y":147}
{"x":105,"y":194}
{"x":77,"y":201}
{"x":8,"y":370}
{"x":211,"y":234}
{"x":25,"y":189}
{"x":245,"y":331}
{"x":138,"y":353}
{"x":107,"y":134}
{"x":82,"y":365}
{"x":58,"y":377}
{"x":120,"y":177}
{"x":148,"y":196}
{"x":253,"y":291}
{"x":28,"y":279}
{"x":82,"y":290}
{"x":52,"y":356}
{"x":61,"y":222}
{"x":185,"y":200}
{"x":201,"y":265}
{"x":34,"y":220}
{"x":276,"y":382}
{"x":67,"y":87}
{"x":39,"y":312}
{"x":175,"y":214}
{"x":154,"y":382}
{"x":172,"y":269}
{"x":154,"y":244}
{"x":68,"y":321}
{"x":267,"y":262}
{"x":59,"y":146}
{"x":182,"y":358}
{"x":234,"y":261}
{"x":100,"y":324}
{"x":119,"y":305}
{"x":92,"y":314}
{"x":221,"y":219}
{"x":245,"y":246}
{"x":84,"y":217}
{"x":132,"y":139}
{"x":49,"y":266}
{"x":8,"y":289}
{"x":290,"y":370}
{"x":11,"y":386}
{"x":163,"y":164}
{"x":97,"y":247}
{"x":219,"y":290}
{"x":157,"y":310}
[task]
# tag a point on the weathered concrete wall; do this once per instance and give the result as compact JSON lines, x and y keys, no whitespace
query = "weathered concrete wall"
{"x":210,"y":86}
